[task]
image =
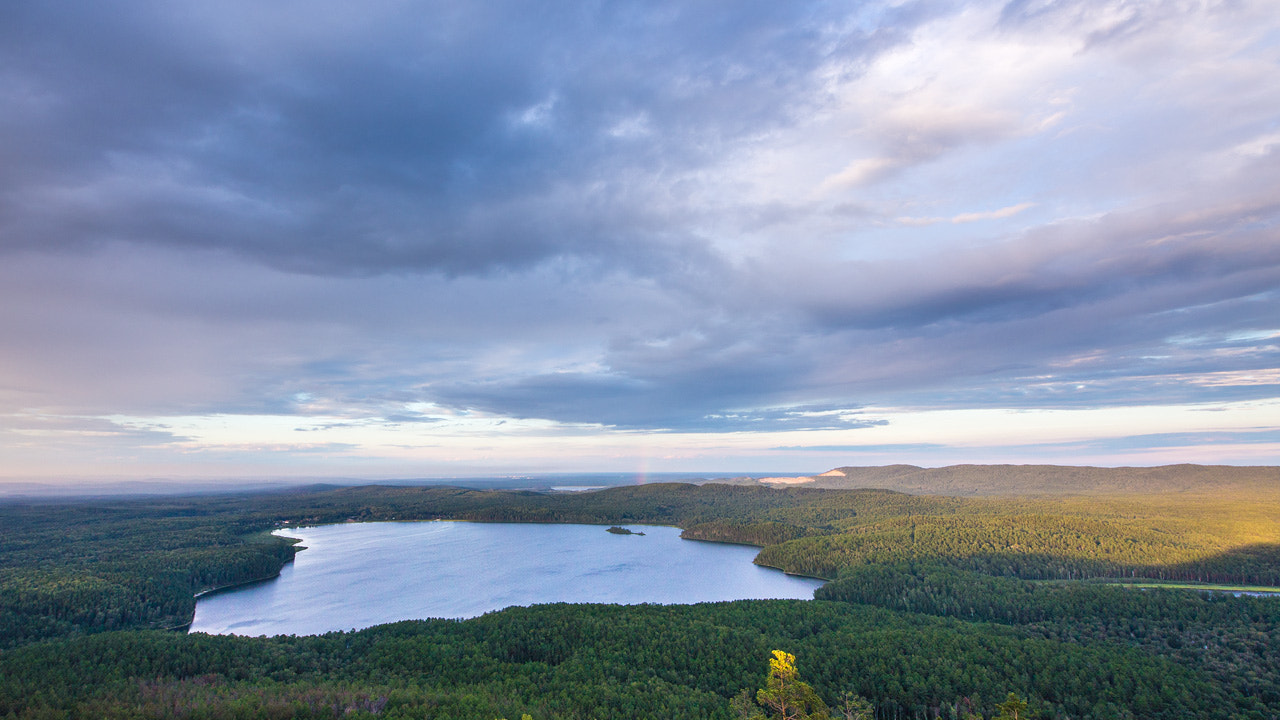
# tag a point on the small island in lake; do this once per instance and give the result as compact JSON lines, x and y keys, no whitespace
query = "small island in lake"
{"x":623,"y":531}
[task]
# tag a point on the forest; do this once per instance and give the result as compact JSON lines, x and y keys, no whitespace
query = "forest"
{"x":937,"y":607}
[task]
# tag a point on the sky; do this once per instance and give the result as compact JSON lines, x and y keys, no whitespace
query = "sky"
{"x":399,"y":238}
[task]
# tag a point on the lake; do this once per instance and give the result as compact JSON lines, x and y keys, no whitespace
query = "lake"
{"x":356,"y":575}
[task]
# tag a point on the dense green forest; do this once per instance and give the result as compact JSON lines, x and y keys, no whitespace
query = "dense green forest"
{"x":938,"y":607}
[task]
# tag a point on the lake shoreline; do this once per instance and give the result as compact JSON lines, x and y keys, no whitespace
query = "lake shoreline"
{"x":785,"y":572}
{"x":373,"y":573}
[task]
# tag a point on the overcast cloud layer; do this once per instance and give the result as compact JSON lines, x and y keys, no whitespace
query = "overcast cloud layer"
{"x":419,"y":237}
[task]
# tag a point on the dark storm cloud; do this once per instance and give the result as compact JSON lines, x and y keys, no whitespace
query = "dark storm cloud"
{"x":1224,"y":252}
{"x":330,"y":139}
{"x":677,"y":404}
{"x":684,"y":216}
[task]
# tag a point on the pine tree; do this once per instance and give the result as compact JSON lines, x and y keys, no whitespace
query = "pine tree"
{"x":785,"y":696}
{"x":1013,"y":708}
{"x":855,"y":707}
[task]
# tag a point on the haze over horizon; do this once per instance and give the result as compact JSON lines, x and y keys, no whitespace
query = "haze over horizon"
{"x":419,"y":239}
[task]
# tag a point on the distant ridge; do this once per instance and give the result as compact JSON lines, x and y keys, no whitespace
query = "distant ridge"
{"x":1024,"y":480}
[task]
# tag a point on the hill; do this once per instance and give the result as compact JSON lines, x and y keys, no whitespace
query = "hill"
{"x":937,"y":607}
{"x":1038,"y":480}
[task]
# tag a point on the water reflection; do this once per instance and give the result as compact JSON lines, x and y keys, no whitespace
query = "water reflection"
{"x":361,"y":574}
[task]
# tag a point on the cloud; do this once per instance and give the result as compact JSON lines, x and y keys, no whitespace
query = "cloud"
{"x":887,"y":447}
{"x":916,"y":133}
{"x":700,"y":218}
{"x":684,"y":404}
{"x":1004,"y":212}
{"x":402,"y":138}
{"x":968,"y":217}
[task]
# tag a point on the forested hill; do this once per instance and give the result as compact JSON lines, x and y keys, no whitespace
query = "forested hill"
{"x":1040,"y":480}
{"x":68,"y":568}
{"x":974,"y":596}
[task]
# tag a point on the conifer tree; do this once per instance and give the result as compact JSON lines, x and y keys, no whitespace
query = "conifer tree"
{"x":855,"y":707}
{"x":1013,"y":708}
{"x":785,"y":696}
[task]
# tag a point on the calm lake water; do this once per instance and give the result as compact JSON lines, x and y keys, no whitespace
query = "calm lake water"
{"x":361,"y":574}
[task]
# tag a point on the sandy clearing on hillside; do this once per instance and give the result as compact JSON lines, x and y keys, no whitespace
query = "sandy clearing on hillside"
{"x":787,"y":480}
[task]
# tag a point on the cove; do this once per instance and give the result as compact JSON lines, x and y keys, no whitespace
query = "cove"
{"x":356,"y":575}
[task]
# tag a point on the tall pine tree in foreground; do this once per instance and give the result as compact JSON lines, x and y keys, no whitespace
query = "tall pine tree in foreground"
{"x":784,"y":696}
